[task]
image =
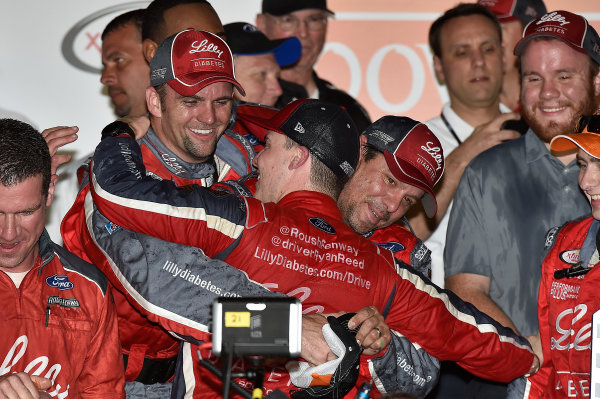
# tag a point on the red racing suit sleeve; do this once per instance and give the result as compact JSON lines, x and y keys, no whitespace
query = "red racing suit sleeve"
{"x":209,"y":220}
{"x":479,"y":344}
{"x":154,"y":273}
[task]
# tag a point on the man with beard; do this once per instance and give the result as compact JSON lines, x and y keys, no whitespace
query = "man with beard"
{"x":187,"y":121}
{"x":510,"y":195}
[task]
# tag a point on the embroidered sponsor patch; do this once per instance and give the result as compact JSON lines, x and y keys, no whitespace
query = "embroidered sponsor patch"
{"x":111,"y":227}
{"x":421,"y":252}
{"x":64,"y":302}
{"x":393,"y":246}
{"x":570,"y":256}
{"x":59,"y":281}
{"x":322,"y":225}
{"x":550,"y":236}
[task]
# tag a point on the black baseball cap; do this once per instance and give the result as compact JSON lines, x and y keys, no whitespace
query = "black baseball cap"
{"x":283,"y":7}
{"x":245,"y":39}
{"x":324,"y":128}
{"x":412,"y":152}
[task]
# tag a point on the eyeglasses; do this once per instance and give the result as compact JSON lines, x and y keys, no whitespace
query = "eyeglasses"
{"x":290,"y":23}
{"x":589,"y":122}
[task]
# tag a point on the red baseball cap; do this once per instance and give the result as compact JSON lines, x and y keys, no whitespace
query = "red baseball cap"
{"x":515,"y":10}
{"x":572,"y":29}
{"x":192,"y":59}
{"x":412,"y":152}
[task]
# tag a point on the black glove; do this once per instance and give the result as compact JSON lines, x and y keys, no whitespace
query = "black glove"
{"x":346,"y":373}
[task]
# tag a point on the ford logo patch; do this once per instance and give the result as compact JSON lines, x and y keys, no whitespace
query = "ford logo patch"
{"x":60,"y":282}
{"x":393,"y":246}
{"x":322,"y":225}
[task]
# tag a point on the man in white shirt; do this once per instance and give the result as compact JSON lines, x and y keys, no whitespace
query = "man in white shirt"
{"x":466,"y":43}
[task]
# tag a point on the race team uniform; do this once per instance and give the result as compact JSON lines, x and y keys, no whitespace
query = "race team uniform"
{"x":149,"y":351}
{"x":566,"y":307}
{"x":406,"y":367}
{"x":301,"y":240}
{"x":403,"y":243}
{"x":61,"y":324}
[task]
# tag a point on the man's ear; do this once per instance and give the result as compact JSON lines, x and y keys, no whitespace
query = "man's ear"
{"x":153,"y":102}
{"x":363,"y":147}
{"x":596,"y":82}
{"x":260,"y":22}
{"x":299,"y":158}
{"x":50,"y":197}
{"x":438,"y":70}
{"x":149,"y":49}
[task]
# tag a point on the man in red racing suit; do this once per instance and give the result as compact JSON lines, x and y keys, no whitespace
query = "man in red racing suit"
{"x":302,"y":238}
{"x":379,"y":186}
{"x":61,"y":324}
{"x":58,"y":319}
{"x":149,"y":351}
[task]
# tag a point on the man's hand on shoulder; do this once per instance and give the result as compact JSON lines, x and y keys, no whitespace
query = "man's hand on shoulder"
{"x":139,"y":124}
{"x":485,"y":136}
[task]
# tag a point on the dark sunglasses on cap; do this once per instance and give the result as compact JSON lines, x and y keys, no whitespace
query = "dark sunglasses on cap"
{"x":591,"y":123}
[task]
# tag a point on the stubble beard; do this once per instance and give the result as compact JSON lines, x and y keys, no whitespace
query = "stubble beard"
{"x":198,"y":152}
{"x":546,"y":131}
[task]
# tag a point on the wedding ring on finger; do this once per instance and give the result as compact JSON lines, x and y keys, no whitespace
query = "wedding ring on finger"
{"x":378,"y":331}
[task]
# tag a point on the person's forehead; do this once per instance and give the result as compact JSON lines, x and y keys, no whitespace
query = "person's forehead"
{"x":307,"y":11}
{"x":23,"y":195}
{"x":468,"y":23}
{"x":570,"y":58}
{"x":251,"y":60}
{"x":581,"y":154}
{"x":273,"y":136}
{"x":121,"y":37}
{"x":378,"y":164}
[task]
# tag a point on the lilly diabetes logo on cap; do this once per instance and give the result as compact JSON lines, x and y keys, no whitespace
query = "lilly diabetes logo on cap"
{"x":82,"y":45}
